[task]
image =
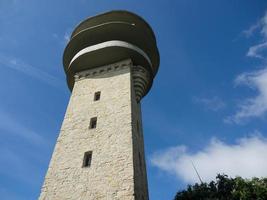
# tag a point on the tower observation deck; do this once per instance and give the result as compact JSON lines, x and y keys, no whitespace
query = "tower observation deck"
{"x":109,"y":38}
{"x":110,"y":63}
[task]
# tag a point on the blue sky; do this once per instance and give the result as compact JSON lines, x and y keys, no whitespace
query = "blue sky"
{"x":208,"y":103}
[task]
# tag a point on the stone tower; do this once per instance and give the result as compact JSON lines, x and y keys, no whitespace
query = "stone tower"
{"x":110,"y":62}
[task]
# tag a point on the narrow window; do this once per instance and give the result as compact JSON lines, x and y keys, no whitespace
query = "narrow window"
{"x":93,"y":122}
{"x":87,"y":159}
{"x":97,"y":96}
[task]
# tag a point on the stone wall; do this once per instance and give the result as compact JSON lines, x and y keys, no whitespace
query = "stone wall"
{"x":116,"y":171}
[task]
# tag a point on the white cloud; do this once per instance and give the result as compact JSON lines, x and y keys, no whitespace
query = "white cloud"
{"x":254,"y":106}
{"x":21,"y":66}
{"x":245,"y":158}
{"x":213,"y":103}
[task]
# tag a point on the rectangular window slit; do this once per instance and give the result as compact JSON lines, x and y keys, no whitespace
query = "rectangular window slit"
{"x":93,"y":122}
{"x":87,"y":159}
{"x":97,"y":96}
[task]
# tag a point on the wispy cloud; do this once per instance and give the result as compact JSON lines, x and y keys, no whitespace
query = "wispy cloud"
{"x":9,"y":125}
{"x":13,"y":160}
{"x":27,"y":69}
{"x":258,"y":50}
{"x":55,"y":35}
{"x":246,"y":158}
{"x":214,"y":103}
{"x":16,"y":165}
{"x":18,"y":161}
{"x":254,"y":106}
{"x":252,"y":29}
{"x":67,"y":35}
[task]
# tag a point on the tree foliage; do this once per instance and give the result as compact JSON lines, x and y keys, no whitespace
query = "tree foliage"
{"x":225,"y":188}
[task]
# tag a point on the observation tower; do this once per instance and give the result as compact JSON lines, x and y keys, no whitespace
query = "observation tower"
{"x":110,"y":63}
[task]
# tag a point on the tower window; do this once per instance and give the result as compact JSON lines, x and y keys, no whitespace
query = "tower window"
{"x":93,"y":122}
{"x":87,"y":159}
{"x":97,"y":96}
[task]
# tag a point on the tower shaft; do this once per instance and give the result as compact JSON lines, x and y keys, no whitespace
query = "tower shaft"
{"x":99,"y":153}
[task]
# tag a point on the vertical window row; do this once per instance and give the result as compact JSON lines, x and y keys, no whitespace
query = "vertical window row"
{"x":93,"y":120}
{"x":87,"y":158}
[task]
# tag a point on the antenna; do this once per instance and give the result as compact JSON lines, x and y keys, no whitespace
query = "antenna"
{"x":196,"y":172}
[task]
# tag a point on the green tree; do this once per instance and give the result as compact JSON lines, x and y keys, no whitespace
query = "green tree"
{"x":225,"y":188}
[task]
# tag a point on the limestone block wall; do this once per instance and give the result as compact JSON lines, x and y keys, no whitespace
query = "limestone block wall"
{"x":117,"y":170}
